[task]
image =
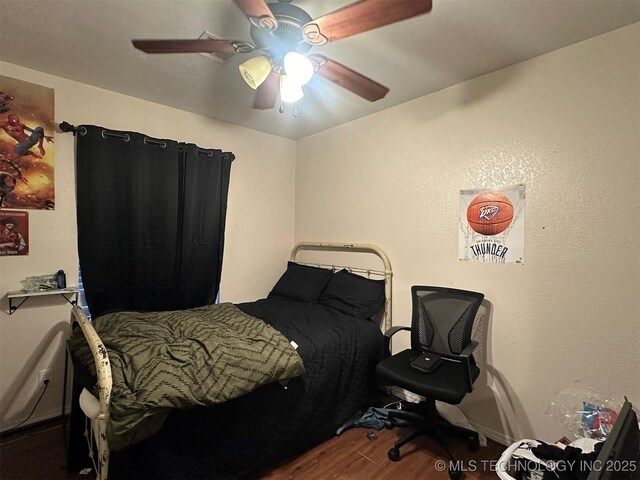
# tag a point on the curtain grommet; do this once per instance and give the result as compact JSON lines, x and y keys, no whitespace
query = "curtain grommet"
{"x":151,"y":141}
{"x":124,"y":136}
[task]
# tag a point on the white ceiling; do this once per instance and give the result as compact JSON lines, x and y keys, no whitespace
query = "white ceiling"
{"x":89,"y":41}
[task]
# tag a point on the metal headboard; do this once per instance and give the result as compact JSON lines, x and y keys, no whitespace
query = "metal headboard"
{"x":355,"y":247}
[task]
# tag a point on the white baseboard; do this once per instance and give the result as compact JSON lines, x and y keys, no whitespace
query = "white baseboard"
{"x":497,"y":437}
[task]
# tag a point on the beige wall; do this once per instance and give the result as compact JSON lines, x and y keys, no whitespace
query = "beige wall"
{"x":566,"y":124}
{"x":259,"y":230}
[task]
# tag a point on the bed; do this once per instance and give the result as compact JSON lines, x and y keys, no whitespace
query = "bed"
{"x":335,"y":325}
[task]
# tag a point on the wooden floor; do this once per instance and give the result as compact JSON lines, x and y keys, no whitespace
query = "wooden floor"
{"x":38,"y":453}
{"x":35,"y":453}
{"x":353,"y":456}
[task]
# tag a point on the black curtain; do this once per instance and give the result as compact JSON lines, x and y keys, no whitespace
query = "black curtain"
{"x":151,"y":220}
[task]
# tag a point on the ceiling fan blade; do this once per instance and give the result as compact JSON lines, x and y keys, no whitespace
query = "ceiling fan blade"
{"x":258,"y":13}
{"x":193,"y":46}
{"x":349,"y":79}
{"x":360,"y":17}
{"x":267,"y":92}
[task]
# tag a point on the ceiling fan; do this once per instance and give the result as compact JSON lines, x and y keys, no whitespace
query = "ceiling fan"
{"x":284,"y":33}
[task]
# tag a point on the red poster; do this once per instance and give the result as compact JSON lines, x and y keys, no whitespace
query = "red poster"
{"x":14,"y":233}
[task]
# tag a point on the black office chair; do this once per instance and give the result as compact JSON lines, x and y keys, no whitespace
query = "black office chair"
{"x":441,"y":323}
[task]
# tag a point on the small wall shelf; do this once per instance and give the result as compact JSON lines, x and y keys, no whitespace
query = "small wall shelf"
{"x":68,"y":294}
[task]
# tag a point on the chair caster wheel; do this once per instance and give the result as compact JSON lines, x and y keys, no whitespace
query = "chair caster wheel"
{"x":474,"y":443}
{"x":394,"y":454}
{"x":455,"y":474}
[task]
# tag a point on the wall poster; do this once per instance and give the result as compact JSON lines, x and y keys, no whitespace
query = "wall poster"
{"x":492,"y":225}
{"x":14,"y":233}
{"x":26,"y":145}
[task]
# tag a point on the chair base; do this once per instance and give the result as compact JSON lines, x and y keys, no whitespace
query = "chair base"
{"x":432,"y":424}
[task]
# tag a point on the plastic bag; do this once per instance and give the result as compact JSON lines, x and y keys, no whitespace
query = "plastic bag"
{"x":584,"y":412}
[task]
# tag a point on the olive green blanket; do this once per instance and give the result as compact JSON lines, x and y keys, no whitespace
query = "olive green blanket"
{"x":182,"y":359}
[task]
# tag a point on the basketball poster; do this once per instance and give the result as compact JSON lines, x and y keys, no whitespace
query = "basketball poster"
{"x":491,"y":223}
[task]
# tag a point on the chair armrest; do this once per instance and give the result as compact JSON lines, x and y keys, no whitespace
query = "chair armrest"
{"x":393,"y":330}
{"x":390,"y":333}
{"x":464,"y":358}
{"x":465,"y":354}
{"x":468,"y":350}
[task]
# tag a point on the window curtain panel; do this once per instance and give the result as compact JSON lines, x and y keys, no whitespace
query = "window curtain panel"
{"x":151,"y":220}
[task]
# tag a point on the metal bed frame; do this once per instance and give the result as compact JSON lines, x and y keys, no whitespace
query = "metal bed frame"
{"x":97,"y":410}
{"x":387,"y":273}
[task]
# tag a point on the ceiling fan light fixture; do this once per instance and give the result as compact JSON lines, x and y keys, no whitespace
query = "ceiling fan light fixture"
{"x":255,"y":70}
{"x":298,"y":67}
{"x":290,"y":91}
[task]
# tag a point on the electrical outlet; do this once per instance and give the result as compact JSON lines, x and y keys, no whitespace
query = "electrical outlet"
{"x":43,"y":375}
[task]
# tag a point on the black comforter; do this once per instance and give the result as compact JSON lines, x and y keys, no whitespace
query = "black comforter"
{"x":242,"y":436}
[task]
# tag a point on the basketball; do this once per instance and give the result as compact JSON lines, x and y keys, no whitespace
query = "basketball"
{"x":490,"y":213}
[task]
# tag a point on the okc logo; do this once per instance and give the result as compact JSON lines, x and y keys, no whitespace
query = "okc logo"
{"x":488,"y":212}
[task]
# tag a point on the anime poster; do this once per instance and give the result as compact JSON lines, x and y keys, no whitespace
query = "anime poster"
{"x":492,"y":225}
{"x":26,"y":145}
{"x":14,"y":233}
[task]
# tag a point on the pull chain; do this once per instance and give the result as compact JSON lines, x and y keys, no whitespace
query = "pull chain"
{"x":296,"y":113}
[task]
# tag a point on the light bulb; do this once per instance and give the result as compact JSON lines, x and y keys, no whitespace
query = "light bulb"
{"x":298,"y":67}
{"x":290,"y":91}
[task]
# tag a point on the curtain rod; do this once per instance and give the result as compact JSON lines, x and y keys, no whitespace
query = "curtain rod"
{"x":67,"y":127}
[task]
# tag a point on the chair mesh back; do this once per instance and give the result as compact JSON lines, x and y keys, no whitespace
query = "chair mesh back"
{"x":443,"y":318}
{"x":425,"y":326}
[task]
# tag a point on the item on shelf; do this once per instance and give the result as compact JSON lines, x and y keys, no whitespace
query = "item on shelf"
{"x":61,"y":279}
{"x":39,"y":283}
{"x":30,"y":285}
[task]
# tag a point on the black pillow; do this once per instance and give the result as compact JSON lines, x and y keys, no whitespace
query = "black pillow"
{"x":353,"y":294}
{"x":301,"y":282}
